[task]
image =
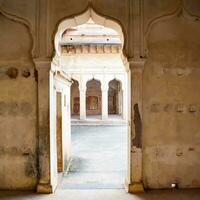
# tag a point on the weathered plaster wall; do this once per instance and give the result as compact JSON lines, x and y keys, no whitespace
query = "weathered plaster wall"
{"x":18,"y":137}
{"x":171,"y":106}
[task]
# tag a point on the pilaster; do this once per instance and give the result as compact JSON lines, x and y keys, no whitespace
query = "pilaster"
{"x":104,"y":91}
{"x":82,"y":92}
{"x":43,"y":67}
{"x":135,"y":184}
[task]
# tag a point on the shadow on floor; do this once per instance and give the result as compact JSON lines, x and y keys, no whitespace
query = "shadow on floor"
{"x":192,"y":194}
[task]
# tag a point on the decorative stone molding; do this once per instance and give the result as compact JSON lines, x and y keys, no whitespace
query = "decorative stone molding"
{"x":137,"y":65}
{"x":179,"y":11}
{"x":41,"y":63}
{"x":90,"y":49}
{"x":81,"y":19}
{"x":61,"y":81}
{"x":24,"y":22}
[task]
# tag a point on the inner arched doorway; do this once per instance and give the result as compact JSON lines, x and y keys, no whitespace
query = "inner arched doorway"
{"x":104,"y":78}
{"x":75,"y":99}
{"x":93,"y":98}
{"x":115,"y":98}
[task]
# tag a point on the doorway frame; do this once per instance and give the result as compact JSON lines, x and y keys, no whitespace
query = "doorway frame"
{"x":48,"y":68}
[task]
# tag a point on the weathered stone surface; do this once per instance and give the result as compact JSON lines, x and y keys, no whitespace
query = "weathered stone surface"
{"x":26,"y":73}
{"x":175,"y":127}
{"x":12,"y":72}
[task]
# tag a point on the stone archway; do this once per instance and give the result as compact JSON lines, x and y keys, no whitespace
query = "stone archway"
{"x":48,"y":175}
{"x":74,"y":22}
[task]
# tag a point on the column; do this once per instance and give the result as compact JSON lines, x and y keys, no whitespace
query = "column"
{"x":43,"y":70}
{"x":126,"y":95}
{"x":59,"y":134}
{"x":124,"y":103}
{"x":66,"y":113}
{"x":135,"y":184}
{"x":104,"y":100}
{"x":119,"y":102}
{"x":82,"y":93}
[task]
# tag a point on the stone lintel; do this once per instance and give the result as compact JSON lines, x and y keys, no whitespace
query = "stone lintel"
{"x":63,"y":78}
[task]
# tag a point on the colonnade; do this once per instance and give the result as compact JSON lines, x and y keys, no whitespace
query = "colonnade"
{"x":104,"y":80}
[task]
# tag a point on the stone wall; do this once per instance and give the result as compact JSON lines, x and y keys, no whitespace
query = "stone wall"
{"x":18,"y":101}
{"x":171,"y":106}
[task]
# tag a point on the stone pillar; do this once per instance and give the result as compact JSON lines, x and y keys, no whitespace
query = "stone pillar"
{"x":82,"y":92}
{"x":119,"y":102}
{"x":59,"y":134}
{"x":104,"y":91}
{"x":43,"y":68}
{"x":124,"y":103}
{"x":135,"y":183}
{"x":66,"y":117}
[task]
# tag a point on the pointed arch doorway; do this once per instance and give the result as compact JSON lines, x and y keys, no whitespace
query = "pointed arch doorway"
{"x":58,"y":69}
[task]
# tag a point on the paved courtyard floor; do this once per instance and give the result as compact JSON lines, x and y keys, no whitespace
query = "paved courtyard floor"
{"x":97,"y":120}
{"x":99,"y":157}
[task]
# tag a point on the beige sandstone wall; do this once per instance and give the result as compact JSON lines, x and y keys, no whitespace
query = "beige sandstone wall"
{"x":171,"y":106}
{"x":18,"y":119}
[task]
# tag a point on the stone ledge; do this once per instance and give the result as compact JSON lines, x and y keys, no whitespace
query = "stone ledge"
{"x":134,"y":187}
{"x":44,"y":189}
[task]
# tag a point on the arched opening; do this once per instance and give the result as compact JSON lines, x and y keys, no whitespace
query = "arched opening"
{"x":75,"y":99}
{"x":115,"y":99}
{"x":89,"y":58}
{"x":93,"y":98}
